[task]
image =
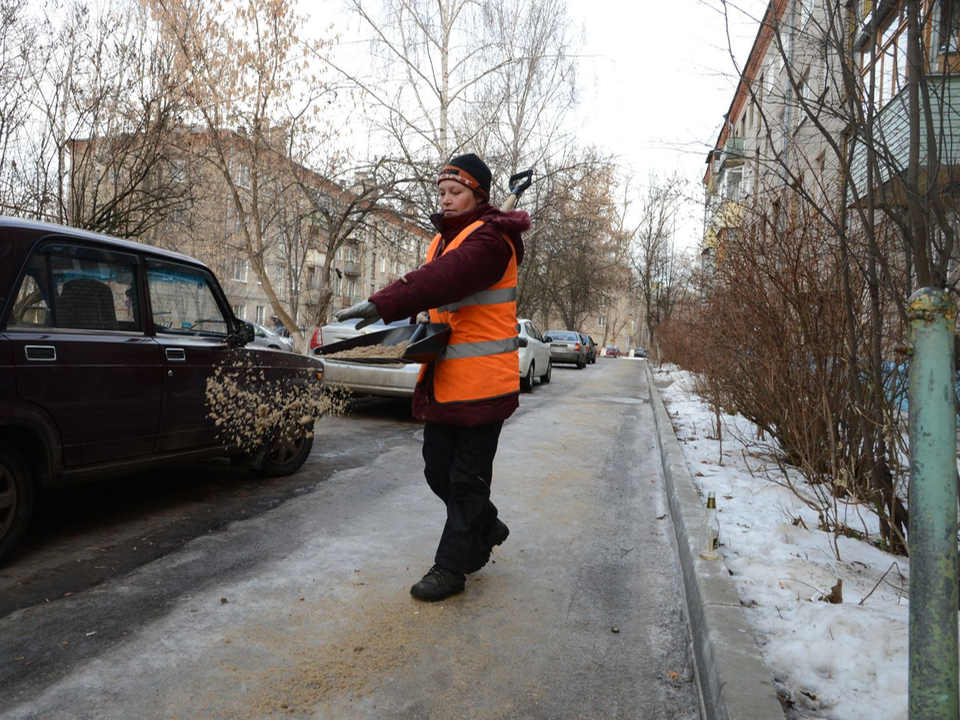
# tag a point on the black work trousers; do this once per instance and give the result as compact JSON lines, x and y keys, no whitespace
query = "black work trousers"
{"x":458,"y":465}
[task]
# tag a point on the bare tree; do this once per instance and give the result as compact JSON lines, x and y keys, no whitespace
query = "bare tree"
{"x":86,"y":116}
{"x":248,"y":78}
{"x":653,"y":255}
{"x":128,"y":174}
{"x":17,"y":34}
{"x":496,"y":78}
{"x":578,"y":264}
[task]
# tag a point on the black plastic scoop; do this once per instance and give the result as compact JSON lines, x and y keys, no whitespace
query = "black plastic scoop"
{"x":427,"y":341}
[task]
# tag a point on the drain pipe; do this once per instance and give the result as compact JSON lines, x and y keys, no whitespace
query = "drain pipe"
{"x":934,"y":572}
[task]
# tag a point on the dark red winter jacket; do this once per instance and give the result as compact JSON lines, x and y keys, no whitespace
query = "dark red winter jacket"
{"x":475,"y":265}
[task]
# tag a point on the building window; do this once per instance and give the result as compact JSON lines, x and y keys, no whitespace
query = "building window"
{"x":233,"y":219}
{"x":949,"y":26}
{"x":383,"y":264}
{"x":240,"y":173}
{"x":732,"y":185}
{"x":601,"y":321}
{"x":240,"y":269}
{"x":806,"y":12}
{"x":260,"y":314}
{"x":241,"y":312}
{"x":886,"y":60}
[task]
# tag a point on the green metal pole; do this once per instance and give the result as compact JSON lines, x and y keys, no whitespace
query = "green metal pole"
{"x":934,"y":567}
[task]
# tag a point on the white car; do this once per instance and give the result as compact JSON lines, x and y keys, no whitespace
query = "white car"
{"x":382,"y":379}
{"x":534,"y":355}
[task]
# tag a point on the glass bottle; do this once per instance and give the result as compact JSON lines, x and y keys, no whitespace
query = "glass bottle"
{"x":710,"y":530}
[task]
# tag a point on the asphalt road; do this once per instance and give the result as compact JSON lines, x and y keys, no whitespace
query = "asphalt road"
{"x":203,"y":593}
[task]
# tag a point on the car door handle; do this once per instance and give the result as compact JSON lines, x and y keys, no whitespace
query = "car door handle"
{"x":41,"y":353}
{"x":176,"y":355}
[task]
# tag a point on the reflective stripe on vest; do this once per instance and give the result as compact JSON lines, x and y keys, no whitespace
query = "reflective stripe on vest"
{"x":484,"y":297}
{"x":479,"y":349}
{"x":481,"y":360}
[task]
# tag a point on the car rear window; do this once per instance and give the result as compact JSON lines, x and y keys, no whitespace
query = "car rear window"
{"x":563,"y":335}
{"x":78,"y":288}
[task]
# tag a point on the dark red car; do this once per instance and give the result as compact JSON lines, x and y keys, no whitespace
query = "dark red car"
{"x":106,"y":348}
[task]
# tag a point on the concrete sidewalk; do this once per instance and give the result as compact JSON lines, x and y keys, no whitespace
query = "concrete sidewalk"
{"x":734,"y":683}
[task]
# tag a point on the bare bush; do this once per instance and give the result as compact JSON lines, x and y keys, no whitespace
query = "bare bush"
{"x":770,"y":342}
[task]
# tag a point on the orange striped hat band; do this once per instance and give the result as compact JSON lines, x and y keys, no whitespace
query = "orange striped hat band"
{"x":452,"y":172}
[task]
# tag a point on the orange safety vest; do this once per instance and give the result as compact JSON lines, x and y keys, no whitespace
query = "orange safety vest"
{"x":482,"y":358}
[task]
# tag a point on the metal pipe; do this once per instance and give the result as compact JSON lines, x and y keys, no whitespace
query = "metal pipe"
{"x":934,"y":570}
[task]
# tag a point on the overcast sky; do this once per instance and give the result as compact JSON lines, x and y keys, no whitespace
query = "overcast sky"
{"x":656,"y":79}
{"x":664,"y":79}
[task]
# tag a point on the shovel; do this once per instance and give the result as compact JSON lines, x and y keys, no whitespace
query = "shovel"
{"x":518,"y":183}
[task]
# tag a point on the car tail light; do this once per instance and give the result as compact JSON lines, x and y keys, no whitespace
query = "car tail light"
{"x":317,"y":339}
{"x":577,"y":347}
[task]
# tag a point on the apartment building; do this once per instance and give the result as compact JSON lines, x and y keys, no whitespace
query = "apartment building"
{"x":821,"y":118}
{"x":276,"y":233}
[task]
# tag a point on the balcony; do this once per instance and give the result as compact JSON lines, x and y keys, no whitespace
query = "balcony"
{"x":733,"y":153}
{"x":734,"y":147}
{"x":351,"y":267}
{"x":891,"y":139}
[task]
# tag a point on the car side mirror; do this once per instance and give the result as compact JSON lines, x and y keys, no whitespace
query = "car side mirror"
{"x":243,"y":334}
{"x":547,"y":338}
{"x":523,"y":342}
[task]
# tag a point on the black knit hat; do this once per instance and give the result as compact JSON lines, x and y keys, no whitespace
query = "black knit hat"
{"x":469,"y":170}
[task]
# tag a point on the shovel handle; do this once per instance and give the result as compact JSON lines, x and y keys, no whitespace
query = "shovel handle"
{"x":418,"y":333}
{"x":518,"y":183}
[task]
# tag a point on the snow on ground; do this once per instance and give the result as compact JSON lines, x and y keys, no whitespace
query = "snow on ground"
{"x":845,"y":661}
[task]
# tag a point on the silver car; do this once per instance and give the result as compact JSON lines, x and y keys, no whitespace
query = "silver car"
{"x":566,"y":346}
{"x":265,"y":337}
{"x":535,"y":359}
{"x":381,"y":379}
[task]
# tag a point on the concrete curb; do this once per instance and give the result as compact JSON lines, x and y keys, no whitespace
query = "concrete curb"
{"x":734,"y":683}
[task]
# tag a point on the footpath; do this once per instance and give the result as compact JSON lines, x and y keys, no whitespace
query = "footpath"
{"x":303,"y":611}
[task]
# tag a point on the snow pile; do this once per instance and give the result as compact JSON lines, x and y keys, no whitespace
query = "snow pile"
{"x":830,"y":614}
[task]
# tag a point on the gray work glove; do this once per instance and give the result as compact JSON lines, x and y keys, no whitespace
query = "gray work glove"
{"x":366,"y":311}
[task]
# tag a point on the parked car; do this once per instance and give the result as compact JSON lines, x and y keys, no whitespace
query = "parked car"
{"x":535,"y":359}
{"x":612,"y":351}
{"x":381,"y":379}
{"x":591,"y":348}
{"x":566,"y":346}
{"x":640,"y":352}
{"x":265,"y":337}
{"x":106,"y":347}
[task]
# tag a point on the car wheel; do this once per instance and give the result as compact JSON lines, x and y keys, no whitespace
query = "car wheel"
{"x":526,"y":382}
{"x":545,"y":378}
{"x":16,"y":497}
{"x":284,"y":456}
{"x":581,"y":364}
